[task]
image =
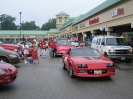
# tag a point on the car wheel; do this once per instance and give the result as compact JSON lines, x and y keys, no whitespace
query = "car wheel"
{"x":2,"y":59}
{"x":71,"y":72}
{"x":63,"y":65}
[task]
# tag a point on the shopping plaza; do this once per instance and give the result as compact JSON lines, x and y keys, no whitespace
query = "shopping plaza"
{"x":112,"y":17}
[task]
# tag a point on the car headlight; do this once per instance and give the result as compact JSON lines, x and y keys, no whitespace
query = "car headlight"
{"x":12,"y":55}
{"x":82,"y":66}
{"x":2,"y":71}
{"x":110,"y":65}
{"x":131,"y":51}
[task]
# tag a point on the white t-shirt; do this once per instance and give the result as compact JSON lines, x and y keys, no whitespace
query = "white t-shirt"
{"x":25,"y":49}
{"x":26,"y":46}
{"x":74,"y":44}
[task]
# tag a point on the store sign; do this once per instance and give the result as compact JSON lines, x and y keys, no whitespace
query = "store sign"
{"x":73,"y":29}
{"x":93,"y":21}
{"x":119,"y":11}
{"x":81,"y":25}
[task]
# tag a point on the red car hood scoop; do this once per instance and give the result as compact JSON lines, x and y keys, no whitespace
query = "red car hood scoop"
{"x":90,"y":58}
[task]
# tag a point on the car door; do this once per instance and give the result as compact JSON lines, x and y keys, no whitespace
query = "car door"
{"x":66,"y":57}
{"x":99,"y":44}
{"x":102,"y":46}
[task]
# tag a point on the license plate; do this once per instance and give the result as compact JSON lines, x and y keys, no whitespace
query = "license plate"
{"x":97,"y":71}
{"x":122,"y":58}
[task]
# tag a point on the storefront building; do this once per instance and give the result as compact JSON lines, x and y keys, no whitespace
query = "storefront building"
{"x":112,"y":17}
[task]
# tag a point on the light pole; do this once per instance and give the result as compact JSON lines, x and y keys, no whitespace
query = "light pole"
{"x":20,"y":25}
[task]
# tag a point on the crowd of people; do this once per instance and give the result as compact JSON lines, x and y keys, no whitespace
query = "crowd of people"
{"x":42,"y":44}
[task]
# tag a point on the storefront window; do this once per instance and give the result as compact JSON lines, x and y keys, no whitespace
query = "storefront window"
{"x":128,"y":36}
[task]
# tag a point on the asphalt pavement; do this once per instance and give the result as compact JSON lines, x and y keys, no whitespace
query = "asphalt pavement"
{"x":47,"y":80}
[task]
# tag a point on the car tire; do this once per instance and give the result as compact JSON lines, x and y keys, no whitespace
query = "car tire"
{"x":63,"y":65}
{"x":4,"y":59}
{"x":71,"y":72}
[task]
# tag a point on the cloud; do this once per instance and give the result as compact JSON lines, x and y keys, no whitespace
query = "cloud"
{"x":41,"y":11}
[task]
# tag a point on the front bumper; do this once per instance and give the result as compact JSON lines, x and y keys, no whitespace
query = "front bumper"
{"x":14,"y":60}
{"x":107,"y":72}
{"x":60,"y":53}
{"x":8,"y":79}
{"x":120,"y":57}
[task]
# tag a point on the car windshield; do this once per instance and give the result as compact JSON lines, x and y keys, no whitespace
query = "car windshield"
{"x":116,"y":41}
{"x":63,"y":43}
{"x":85,"y":52}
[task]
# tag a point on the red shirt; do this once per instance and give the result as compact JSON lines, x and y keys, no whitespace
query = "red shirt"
{"x":50,"y":44}
{"x":54,"y":45}
{"x":43,"y":44}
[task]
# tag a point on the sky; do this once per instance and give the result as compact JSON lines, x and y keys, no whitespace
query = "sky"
{"x":41,"y":11}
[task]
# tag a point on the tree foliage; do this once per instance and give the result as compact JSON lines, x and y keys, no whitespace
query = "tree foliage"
{"x":30,"y":26}
{"x":50,"y":24}
{"x":7,"y":22}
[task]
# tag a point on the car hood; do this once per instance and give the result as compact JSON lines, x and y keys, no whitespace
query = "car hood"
{"x":8,"y":51}
{"x":4,"y":65}
{"x":12,"y":45}
{"x":63,"y":47}
{"x":90,"y":60}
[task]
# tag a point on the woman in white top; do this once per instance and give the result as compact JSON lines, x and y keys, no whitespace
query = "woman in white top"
{"x":26,"y":52}
{"x":75,"y":44}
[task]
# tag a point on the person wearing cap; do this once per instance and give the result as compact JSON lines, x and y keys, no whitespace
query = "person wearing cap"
{"x":42,"y":47}
{"x":35,"y":53}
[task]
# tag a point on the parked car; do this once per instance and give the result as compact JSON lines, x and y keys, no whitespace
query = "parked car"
{"x":9,"y":56}
{"x":8,"y":73}
{"x":87,"y":62}
{"x":62,"y":46}
{"x":16,"y":48}
{"x":114,"y":48}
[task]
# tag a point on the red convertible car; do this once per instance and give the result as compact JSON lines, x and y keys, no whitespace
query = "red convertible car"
{"x":87,"y":62}
{"x":16,"y":48}
{"x":8,"y":73}
{"x":62,"y":46}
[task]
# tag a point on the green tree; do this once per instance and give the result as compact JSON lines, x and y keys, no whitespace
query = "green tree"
{"x":30,"y":26}
{"x":50,"y":24}
{"x":7,"y":22}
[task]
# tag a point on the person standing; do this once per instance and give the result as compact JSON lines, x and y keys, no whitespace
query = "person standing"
{"x":75,"y":44}
{"x":26,"y":52}
{"x":35,"y":53}
{"x":54,"y":49}
{"x":42,"y":47}
{"x":50,"y":45}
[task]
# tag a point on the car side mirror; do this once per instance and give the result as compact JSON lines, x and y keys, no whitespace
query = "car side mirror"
{"x":103,"y":43}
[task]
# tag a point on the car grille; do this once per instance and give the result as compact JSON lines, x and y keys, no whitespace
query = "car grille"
{"x":92,"y":71}
{"x":121,"y":51}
